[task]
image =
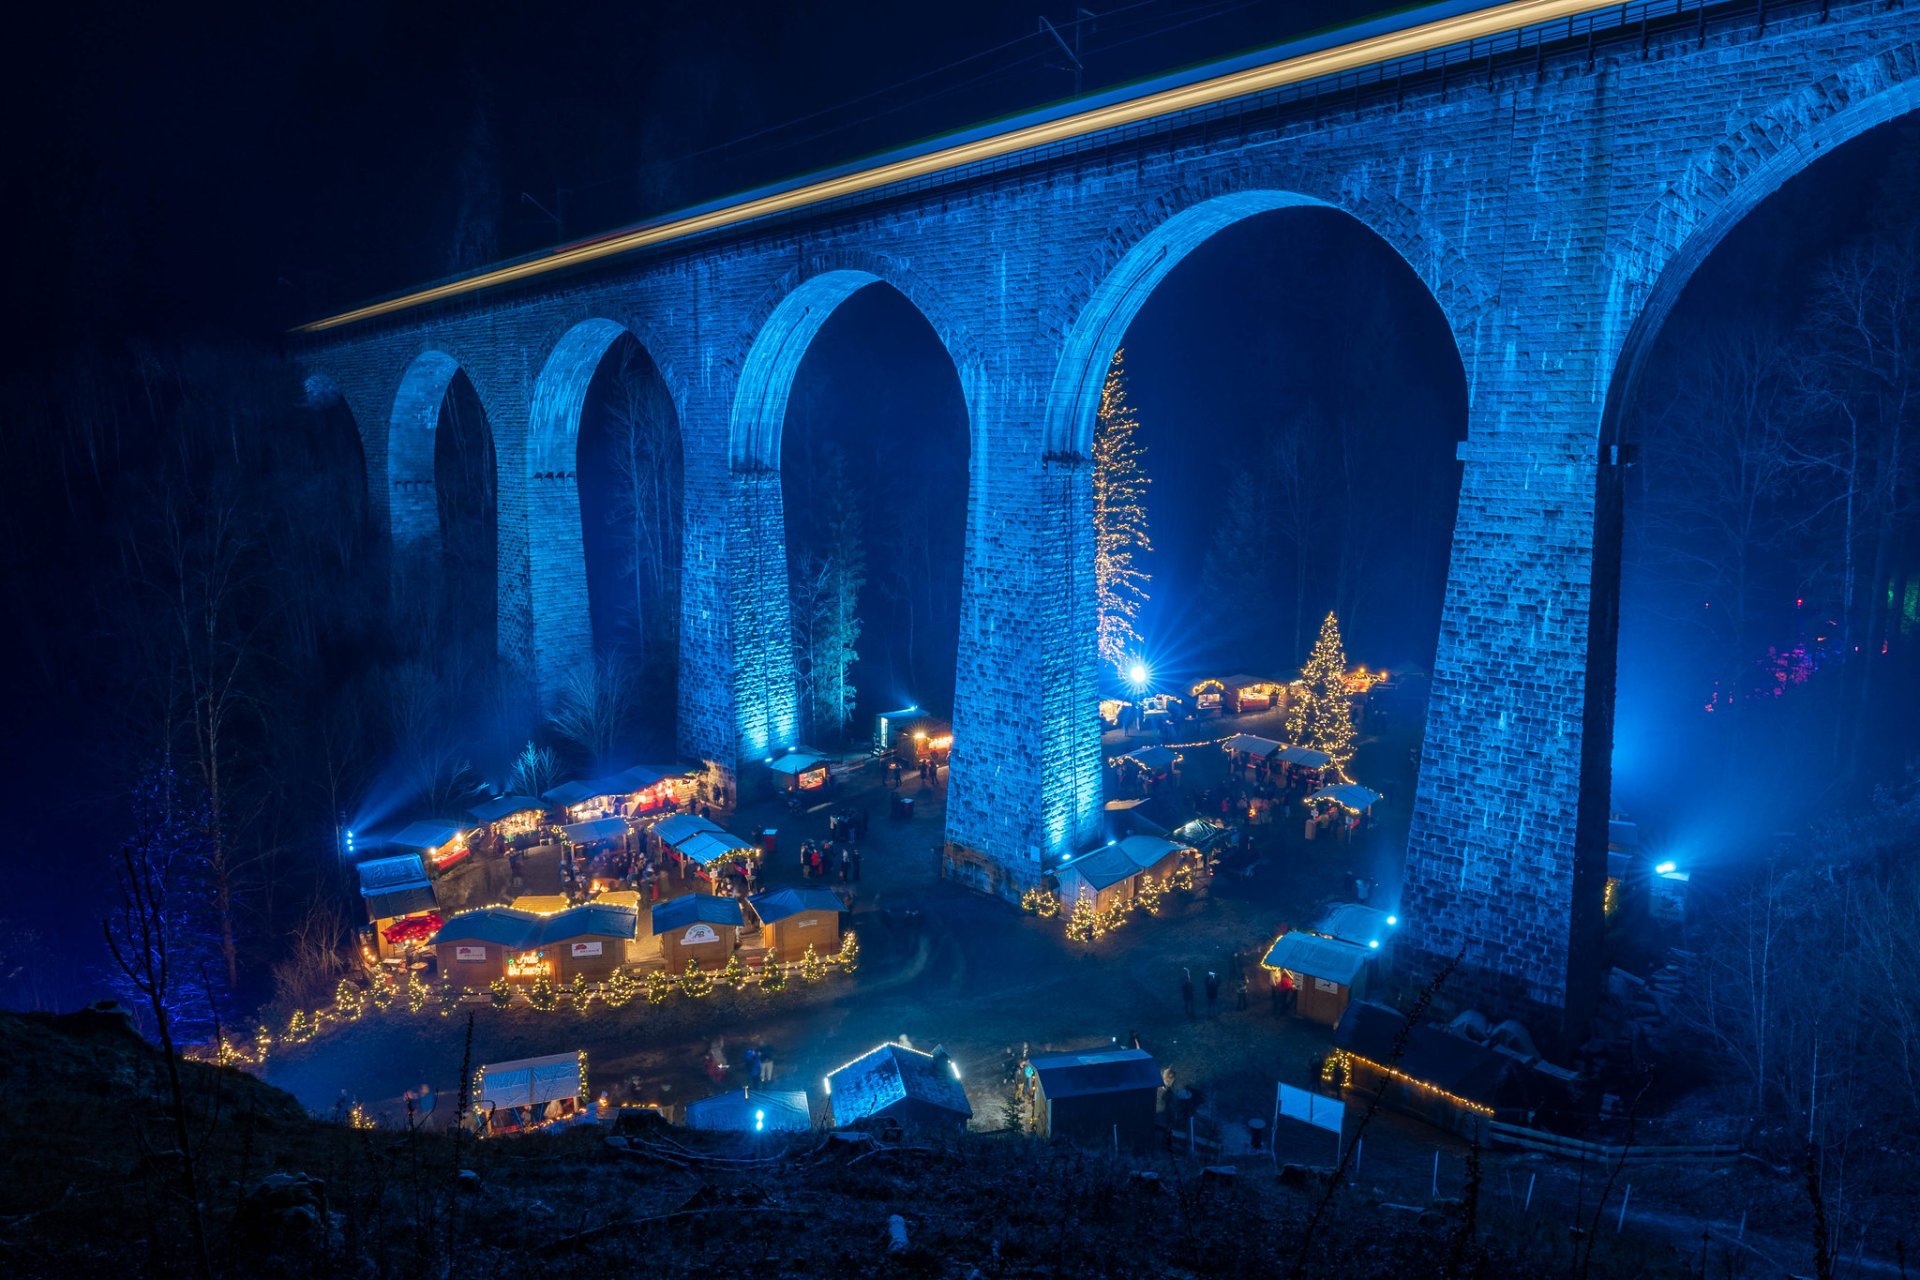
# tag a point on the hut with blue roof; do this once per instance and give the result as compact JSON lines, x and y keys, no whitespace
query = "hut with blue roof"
{"x":892,"y":1082}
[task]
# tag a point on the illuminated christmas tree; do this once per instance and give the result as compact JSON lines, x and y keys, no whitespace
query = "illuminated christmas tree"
{"x":1321,"y":715}
{"x":1119,"y":520}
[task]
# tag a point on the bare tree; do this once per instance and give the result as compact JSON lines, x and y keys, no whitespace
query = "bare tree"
{"x":593,"y":706}
{"x":142,"y":937}
{"x":1719,"y":454}
{"x":534,"y":772}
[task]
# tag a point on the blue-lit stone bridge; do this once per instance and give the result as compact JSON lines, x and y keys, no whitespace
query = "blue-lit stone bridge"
{"x":1553,"y":170}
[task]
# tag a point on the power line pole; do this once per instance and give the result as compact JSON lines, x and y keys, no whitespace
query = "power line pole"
{"x":1072,"y":51}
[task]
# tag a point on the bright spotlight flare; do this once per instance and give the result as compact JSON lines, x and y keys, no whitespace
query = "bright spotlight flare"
{"x":1138,"y":675}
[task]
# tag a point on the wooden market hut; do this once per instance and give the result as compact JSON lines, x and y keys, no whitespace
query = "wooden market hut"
{"x":1306,"y":760}
{"x":792,"y":918}
{"x":442,"y":842}
{"x":1326,"y":972}
{"x":892,"y":1082}
{"x":474,"y":948}
{"x":510,"y":817}
{"x":591,"y":940}
{"x":1246,"y":694}
{"x":1440,"y":1076}
{"x":597,"y":832}
{"x":395,"y":889}
{"x":750,"y":1110}
{"x":1209,"y":697}
{"x":801,"y":770}
{"x":1107,"y":1097}
{"x":697,"y":926}
{"x":1104,"y":875}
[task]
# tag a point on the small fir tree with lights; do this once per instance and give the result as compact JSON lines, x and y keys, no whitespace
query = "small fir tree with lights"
{"x":1321,"y":714}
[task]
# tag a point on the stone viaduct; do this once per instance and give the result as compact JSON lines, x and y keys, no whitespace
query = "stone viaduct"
{"x":1554,"y":174}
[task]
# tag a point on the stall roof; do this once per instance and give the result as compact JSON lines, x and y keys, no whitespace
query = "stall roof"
{"x":390,"y":875}
{"x":782,"y":903}
{"x":893,"y":1073}
{"x":542,"y":904}
{"x":568,"y":794}
{"x":679,"y":826}
{"x":1076,"y":1075}
{"x":1348,"y":795}
{"x":591,"y":920}
{"x":530,"y":1082}
{"x":1355,"y":923}
{"x":1306,"y":757}
{"x":1146,"y":852}
{"x":430,"y":833}
{"x":512,"y":927}
{"x":1200,"y":833}
{"x":695,"y":908}
{"x":1432,"y":1055}
{"x":595,"y":831}
{"x":709,"y":847}
{"x":1154,"y":757}
{"x":1101,"y":868}
{"x":751,"y":1111}
{"x":502,"y":925}
{"x":637,"y":778}
{"x":1318,"y":957}
{"x":796,"y":762}
{"x":1251,"y":742}
{"x":1242,"y":680}
{"x":505,"y":807}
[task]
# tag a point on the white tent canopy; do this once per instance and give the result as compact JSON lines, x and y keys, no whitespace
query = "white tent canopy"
{"x":1348,"y":795}
{"x":1306,"y":757}
{"x":529,"y":1082}
{"x":1253,"y":743}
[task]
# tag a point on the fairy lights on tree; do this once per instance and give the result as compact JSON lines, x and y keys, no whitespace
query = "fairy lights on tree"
{"x":1119,"y":520}
{"x":1321,"y":714}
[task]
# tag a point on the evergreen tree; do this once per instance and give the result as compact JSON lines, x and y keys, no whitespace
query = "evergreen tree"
{"x":1119,"y":520}
{"x":1321,"y":715}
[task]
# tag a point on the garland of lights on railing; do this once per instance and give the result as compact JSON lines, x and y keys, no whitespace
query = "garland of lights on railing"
{"x":351,"y":1003}
{"x":1338,"y":1071}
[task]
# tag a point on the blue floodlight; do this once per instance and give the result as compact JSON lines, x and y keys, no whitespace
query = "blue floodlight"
{"x":1137,"y":675}
{"x":1393,"y":920}
{"x":759,"y":1121}
{"x":1666,"y":868}
{"x":1375,"y":944}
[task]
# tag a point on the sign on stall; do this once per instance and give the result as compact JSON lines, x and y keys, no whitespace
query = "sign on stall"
{"x":470,"y":955}
{"x":586,"y":948}
{"x":699,"y":933}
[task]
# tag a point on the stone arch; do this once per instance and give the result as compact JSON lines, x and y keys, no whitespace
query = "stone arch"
{"x":413,"y":515}
{"x":783,"y":327}
{"x":1652,"y":262}
{"x":789,"y":318}
{"x":560,"y":623}
{"x":1136,"y":261}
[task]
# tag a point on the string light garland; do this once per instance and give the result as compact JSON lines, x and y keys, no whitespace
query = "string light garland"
{"x":1343,"y":1072}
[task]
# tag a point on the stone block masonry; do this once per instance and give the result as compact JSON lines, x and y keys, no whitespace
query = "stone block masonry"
{"x":1555,"y":206}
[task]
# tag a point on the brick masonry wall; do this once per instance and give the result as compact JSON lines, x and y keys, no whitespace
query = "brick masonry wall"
{"x":1554,"y":215}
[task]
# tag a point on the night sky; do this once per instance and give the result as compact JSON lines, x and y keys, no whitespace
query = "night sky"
{"x":211,"y":179}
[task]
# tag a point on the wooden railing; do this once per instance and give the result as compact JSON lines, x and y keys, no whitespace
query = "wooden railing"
{"x":1553,"y":1144}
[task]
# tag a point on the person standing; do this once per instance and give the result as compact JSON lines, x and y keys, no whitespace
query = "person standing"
{"x":854,"y":858}
{"x":766,"y":1064}
{"x":1186,"y":990}
{"x":1213,"y":992}
{"x":1240,"y":993}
